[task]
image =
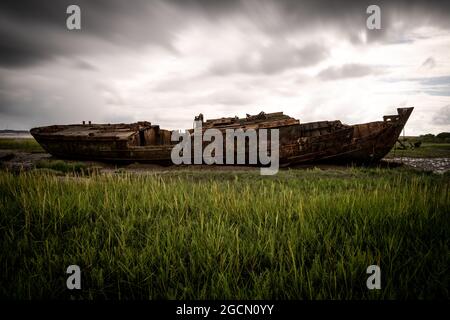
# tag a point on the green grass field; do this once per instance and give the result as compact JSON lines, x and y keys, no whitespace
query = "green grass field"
{"x":302,"y":234}
{"x":21,"y":144}
{"x":426,"y":150}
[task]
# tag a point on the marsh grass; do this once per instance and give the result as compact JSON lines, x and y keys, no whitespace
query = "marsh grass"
{"x":426,"y":150}
{"x":21,"y":144}
{"x":63,"y":166}
{"x":225,"y":235}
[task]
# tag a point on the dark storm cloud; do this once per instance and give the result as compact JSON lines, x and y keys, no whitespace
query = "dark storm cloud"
{"x":33,"y":31}
{"x":348,"y":71}
{"x":19,"y":52}
{"x":348,"y":16}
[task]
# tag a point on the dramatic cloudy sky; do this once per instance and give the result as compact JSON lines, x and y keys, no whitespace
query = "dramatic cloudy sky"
{"x":166,"y":61}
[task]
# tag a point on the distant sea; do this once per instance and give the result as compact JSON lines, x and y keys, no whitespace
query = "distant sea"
{"x":15,"y":134}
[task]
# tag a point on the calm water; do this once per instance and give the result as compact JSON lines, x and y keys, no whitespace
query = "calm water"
{"x":16,"y":135}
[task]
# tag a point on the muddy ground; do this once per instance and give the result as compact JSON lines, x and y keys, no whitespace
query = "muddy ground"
{"x":20,"y":160}
{"x":437,"y":165}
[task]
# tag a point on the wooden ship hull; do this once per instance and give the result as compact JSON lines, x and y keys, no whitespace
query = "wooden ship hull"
{"x":323,"y":141}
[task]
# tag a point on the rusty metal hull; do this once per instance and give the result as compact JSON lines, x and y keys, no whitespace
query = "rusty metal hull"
{"x":329,"y":141}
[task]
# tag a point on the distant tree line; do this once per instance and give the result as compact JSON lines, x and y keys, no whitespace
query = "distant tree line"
{"x":443,"y":137}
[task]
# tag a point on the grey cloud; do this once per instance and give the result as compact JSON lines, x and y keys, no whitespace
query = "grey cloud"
{"x":43,"y":99}
{"x":439,"y":92}
{"x":14,"y":104}
{"x":84,"y":65}
{"x":429,"y":63}
{"x":228,"y":97}
{"x":431,"y":81}
{"x":442,"y":117}
{"x":273,"y":59}
{"x":176,"y":82}
{"x":436,"y":86}
{"x":348,"y":71}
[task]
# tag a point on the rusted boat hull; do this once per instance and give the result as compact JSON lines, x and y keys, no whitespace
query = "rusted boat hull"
{"x":106,"y":142}
{"x":128,"y":155}
{"x":329,"y":141}
{"x":372,"y":141}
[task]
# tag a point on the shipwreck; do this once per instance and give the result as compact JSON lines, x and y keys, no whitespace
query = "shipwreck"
{"x":320,"y":141}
